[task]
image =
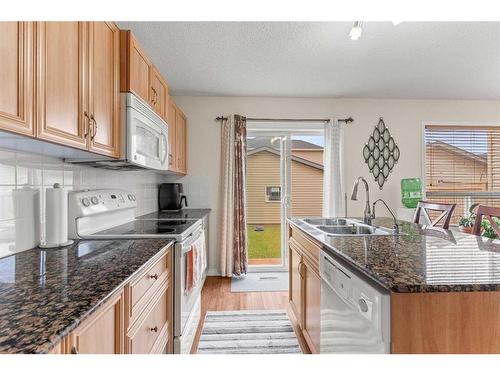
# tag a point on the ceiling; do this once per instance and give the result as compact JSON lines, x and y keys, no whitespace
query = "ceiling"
{"x":420,"y":60}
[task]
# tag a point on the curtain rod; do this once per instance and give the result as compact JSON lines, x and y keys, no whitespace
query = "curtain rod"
{"x":346,"y":120}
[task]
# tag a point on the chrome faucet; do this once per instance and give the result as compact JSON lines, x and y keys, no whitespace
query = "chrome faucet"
{"x":354,"y":197}
{"x":396,"y":225}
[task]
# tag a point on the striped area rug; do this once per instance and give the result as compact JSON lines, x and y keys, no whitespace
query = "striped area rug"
{"x":248,"y":332}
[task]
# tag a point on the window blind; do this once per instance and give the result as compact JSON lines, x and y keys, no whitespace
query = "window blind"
{"x":462,"y":166}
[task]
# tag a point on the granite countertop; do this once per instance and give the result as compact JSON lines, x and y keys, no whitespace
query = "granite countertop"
{"x":418,"y":260}
{"x":185,"y":213}
{"x":45,"y":294}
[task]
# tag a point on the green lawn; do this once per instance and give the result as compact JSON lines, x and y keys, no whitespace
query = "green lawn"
{"x":265,"y":244}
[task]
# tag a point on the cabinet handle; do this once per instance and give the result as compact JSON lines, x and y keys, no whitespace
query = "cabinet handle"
{"x":87,"y":124}
{"x":154,"y":100}
{"x":94,"y":127}
{"x":74,"y":350}
{"x":155,"y":276}
{"x":154,"y":329}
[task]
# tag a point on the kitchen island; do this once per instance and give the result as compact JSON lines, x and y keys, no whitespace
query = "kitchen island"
{"x":49,"y":297}
{"x":444,"y":286}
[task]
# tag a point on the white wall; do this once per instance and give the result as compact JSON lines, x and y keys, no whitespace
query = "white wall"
{"x":403,"y":117}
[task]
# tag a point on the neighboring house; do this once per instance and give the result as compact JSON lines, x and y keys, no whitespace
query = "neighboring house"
{"x":455,"y":170}
{"x":263,"y":180}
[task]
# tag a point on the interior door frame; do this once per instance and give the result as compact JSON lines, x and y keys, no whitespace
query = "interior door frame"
{"x":285,"y":137}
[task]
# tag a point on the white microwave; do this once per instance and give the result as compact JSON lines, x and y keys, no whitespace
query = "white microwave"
{"x":144,"y":139}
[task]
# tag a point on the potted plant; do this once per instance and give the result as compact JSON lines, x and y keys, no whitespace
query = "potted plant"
{"x":466,"y":223}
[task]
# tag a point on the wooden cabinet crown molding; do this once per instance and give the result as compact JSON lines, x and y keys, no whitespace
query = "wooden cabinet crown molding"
{"x":16,"y":75}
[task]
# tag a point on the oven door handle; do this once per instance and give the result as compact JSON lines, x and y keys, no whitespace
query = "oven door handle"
{"x":186,"y":244}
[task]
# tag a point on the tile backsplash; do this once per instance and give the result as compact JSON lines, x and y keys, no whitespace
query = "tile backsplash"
{"x":24,"y":178}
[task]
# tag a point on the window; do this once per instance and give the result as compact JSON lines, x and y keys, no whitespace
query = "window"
{"x":462,"y":166}
{"x":273,"y":193}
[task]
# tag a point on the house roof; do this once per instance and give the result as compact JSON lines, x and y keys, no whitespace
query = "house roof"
{"x":297,"y":144}
{"x":277,"y":153}
{"x":480,"y":158}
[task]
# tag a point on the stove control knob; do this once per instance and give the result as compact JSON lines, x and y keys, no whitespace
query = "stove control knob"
{"x":133,"y":197}
{"x":94,"y":200}
{"x":85,"y":202}
{"x":129,"y":197}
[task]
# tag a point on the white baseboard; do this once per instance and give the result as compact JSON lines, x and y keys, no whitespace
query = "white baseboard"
{"x":213,"y":272}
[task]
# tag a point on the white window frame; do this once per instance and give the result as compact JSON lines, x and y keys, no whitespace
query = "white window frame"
{"x":469,"y":124}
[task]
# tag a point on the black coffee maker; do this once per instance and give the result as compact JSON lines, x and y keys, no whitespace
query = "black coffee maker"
{"x":170,"y":197}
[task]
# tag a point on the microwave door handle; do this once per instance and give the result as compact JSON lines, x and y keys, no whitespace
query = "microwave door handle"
{"x":163,"y":148}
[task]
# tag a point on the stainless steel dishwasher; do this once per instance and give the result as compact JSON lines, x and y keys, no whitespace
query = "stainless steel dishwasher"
{"x":355,"y":316}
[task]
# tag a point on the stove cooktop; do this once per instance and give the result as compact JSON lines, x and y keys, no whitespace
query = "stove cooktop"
{"x":149,"y":228}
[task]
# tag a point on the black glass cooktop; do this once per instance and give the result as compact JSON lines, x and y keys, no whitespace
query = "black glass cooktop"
{"x":149,"y":227}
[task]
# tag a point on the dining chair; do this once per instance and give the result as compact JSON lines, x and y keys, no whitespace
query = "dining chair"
{"x":489,"y":213}
{"x":446,"y":208}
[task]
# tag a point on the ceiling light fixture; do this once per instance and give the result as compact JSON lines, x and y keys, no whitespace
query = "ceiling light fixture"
{"x":356,"y":30}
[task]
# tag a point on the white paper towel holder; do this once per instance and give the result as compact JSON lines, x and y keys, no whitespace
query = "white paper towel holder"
{"x":56,"y":245}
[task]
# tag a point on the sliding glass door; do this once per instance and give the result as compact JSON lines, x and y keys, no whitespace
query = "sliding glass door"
{"x":284,"y":179}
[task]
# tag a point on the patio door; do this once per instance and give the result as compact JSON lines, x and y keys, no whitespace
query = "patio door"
{"x":283,"y":167}
{"x":267,"y":200}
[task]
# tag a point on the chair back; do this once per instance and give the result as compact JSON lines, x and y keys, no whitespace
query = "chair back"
{"x":446,"y":213}
{"x":489,"y":213}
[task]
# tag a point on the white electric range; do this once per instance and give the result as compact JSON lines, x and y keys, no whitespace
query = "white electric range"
{"x":110,"y":214}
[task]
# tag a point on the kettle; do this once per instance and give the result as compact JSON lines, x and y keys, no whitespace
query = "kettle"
{"x":171,"y":196}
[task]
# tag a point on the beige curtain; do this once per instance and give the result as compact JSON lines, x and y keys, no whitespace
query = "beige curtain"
{"x":234,"y":255}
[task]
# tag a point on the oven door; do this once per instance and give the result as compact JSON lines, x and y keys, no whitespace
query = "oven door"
{"x":147,"y":137}
{"x":185,"y":301}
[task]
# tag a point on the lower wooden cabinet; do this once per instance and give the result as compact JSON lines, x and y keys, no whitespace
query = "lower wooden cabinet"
{"x":295,"y":281}
{"x":102,"y":332}
{"x":305,"y":286}
{"x":137,"y":319}
{"x":312,"y":298}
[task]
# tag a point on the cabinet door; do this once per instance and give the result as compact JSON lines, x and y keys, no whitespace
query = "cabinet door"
{"x":172,"y":136}
{"x":139,"y":70}
{"x":159,"y":94}
{"x":61,"y":93}
{"x":104,"y":88}
{"x":16,"y":77}
{"x":181,"y":136}
{"x":102,"y":332}
{"x":295,"y":282}
{"x":311,"y":314}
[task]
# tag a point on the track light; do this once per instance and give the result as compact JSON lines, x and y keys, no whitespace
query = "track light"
{"x":356,"y":30}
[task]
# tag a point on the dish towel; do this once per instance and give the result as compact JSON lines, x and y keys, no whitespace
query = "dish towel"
{"x":189,"y":270}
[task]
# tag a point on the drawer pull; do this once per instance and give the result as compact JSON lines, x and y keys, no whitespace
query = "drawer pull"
{"x":154,"y":329}
{"x":155,"y":276}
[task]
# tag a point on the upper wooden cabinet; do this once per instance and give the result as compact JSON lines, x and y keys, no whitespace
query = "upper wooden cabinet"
{"x":135,"y":67}
{"x":77,"y":73}
{"x":62,"y":90}
{"x":159,"y":92}
{"x":177,"y":127}
{"x":140,"y":76}
{"x":104,"y":87}
{"x":16,"y":77}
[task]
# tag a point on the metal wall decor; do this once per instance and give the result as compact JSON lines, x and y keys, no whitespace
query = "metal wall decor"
{"x":381,"y":153}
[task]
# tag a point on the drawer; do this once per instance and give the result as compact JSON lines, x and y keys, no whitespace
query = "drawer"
{"x":152,"y":331}
{"x":141,"y":289}
{"x":310,"y":247}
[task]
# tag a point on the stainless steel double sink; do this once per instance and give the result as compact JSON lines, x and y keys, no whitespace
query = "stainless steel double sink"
{"x":346,"y":227}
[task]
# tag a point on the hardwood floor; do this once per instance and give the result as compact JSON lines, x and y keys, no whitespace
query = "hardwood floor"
{"x":216,"y":296}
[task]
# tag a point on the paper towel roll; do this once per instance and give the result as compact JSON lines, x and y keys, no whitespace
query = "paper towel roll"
{"x":56,"y":217}
{"x":27,"y":213}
